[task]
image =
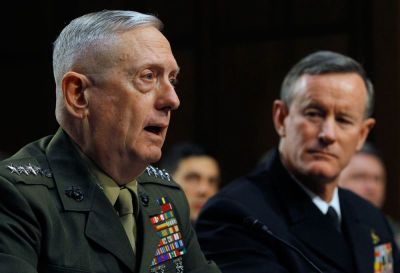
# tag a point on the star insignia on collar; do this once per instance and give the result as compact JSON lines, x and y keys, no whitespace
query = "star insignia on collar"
{"x":158,"y":173}
{"x":28,"y":170}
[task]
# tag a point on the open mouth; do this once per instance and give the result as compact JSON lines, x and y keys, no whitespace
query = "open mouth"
{"x":153,"y":129}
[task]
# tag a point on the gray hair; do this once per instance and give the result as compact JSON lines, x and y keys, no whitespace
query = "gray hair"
{"x":92,"y":29}
{"x":324,"y":62}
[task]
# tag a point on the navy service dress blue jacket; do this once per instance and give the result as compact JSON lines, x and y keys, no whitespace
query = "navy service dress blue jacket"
{"x":271,"y":196}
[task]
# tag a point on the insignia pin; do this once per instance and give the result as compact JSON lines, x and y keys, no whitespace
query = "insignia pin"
{"x":145,"y":199}
{"x":74,"y":193}
{"x":375,"y":237}
{"x":13,"y":169}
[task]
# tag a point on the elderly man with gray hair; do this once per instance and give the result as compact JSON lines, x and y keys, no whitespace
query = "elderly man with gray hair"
{"x":289,"y":214}
{"x":86,"y":199}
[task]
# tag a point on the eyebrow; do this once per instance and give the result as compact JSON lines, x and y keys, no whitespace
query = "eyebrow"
{"x":157,"y":65}
{"x":312,"y":104}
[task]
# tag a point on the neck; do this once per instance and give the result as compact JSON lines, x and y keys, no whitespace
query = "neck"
{"x":121,"y":168}
{"x":322,"y":186}
{"x":323,"y":189}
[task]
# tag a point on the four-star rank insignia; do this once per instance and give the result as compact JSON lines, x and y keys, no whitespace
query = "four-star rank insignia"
{"x":156,"y":172}
{"x":171,"y":244}
{"x":28,"y":170}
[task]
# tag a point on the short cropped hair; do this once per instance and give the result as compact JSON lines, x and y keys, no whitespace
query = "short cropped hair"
{"x":179,"y":152}
{"x":90,"y":30}
{"x":324,"y":62}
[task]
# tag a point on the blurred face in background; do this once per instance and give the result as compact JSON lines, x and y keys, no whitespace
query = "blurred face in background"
{"x":365,"y":175}
{"x":199,"y":177}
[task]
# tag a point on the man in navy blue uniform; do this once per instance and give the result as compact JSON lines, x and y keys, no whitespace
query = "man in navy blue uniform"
{"x":289,"y":214}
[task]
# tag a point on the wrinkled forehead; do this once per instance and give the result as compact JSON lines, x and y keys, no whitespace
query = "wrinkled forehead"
{"x":144,"y":45}
{"x":347,"y":89}
{"x":138,"y":47}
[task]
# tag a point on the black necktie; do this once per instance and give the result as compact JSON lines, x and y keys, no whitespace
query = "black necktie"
{"x":333,"y":218}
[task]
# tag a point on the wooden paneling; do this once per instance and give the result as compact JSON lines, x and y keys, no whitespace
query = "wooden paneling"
{"x":386,"y":71}
{"x":233,"y":57}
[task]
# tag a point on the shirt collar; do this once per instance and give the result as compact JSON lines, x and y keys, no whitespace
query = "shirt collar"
{"x":107,"y":184}
{"x":321,"y":204}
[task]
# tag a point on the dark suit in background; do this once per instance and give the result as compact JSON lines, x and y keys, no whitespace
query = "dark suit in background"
{"x":322,"y":118}
{"x":272,"y":196}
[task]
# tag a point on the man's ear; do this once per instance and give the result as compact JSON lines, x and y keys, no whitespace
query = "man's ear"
{"x":367,"y":126}
{"x":279,"y":113}
{"x":74,"y":86}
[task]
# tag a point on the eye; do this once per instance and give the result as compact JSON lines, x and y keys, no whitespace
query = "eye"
{"x":173,"y":81}
{"x":192,"y":177}
{"x":213,"y":181}
{"x":313,"y":113}
{"x":148,"y":75}
{"x":344,"y":120}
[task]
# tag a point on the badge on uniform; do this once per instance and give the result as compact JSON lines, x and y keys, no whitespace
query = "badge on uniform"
{"x":383,"y":258}
{"x":28,"y":170}
{"x":375,"y":238}
{"x":171,"y":246}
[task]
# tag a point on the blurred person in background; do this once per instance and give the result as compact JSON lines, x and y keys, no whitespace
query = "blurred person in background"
{"x":196,"y":171}
{"x":365,"y":175}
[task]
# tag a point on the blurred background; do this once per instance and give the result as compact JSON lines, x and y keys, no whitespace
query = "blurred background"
{"x":233,"y":56}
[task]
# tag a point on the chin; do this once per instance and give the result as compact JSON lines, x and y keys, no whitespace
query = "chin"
{"x":150,"y":159}
{"x":323,"y":172}
{"x":147,"y":155}
{"x":153,"y":156}
{"x":323,"y":176}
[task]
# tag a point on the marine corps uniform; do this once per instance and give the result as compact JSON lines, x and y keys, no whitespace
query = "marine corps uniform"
{"x":55,"y":218}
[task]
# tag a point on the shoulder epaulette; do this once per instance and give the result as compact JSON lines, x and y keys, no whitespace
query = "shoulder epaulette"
{"x":158,"y":173}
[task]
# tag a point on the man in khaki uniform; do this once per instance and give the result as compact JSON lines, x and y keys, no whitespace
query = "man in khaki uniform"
{"x":86,"y":199}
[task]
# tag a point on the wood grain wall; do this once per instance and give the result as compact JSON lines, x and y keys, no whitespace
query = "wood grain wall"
{"x":233,"y":57}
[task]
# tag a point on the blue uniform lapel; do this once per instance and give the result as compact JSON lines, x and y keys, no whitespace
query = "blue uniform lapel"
{"x":307,"y":223}
{"x":323,"y":240}
{"x":359,"y":235}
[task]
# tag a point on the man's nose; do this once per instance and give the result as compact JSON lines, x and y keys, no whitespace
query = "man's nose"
{"x":327,"y":134}
{"x":203,"y":187}
{"x":168,"y":99}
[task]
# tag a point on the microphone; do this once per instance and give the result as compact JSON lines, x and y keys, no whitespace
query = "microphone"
{"x":257,"y":225}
